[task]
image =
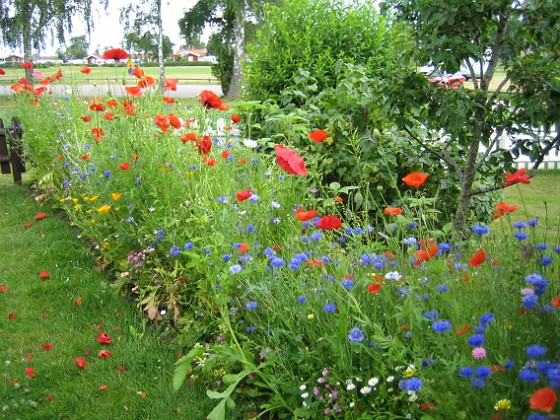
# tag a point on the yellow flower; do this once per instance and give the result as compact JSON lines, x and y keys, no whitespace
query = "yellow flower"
{"x":116,"y":196}
{"x":409,"y":371}
{"x":92,"y":221}
{"x":86,"y":198}
{"x":104,"y":209}
{"x":310,"y":316}
{"x":94,"y":198}
{"x":77,"y":207}
{"x":89,"y":211}
{"x":75,"y":200}
{"x":105,"y":246}
{"x":502,"y":405}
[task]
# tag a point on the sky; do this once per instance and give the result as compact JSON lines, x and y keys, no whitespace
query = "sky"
{"x":108,"y":32}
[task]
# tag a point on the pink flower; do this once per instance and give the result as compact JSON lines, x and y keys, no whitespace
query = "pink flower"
{"x":527,"y":291}
{"x":479,"y":353}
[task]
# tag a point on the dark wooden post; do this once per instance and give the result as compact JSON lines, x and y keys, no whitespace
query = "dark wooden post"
{"x":11,"y":149}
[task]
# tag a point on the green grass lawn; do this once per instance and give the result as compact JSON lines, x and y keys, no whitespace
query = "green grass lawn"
{"x":48,"y":321}
{"x":72,"y":74}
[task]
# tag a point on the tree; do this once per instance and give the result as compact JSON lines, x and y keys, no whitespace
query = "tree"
{"x":25,"y":23}
{"x":522,"y":37}
{"x":233,"y":19}
{"x":136,"y":18}
{"x":147,"y":44}
{"x":78,"y":47}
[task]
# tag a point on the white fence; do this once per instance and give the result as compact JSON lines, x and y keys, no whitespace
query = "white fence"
{"x":550,"y":161}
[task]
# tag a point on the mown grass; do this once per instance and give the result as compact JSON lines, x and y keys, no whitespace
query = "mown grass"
{"x":72,"y":74}
{"x":67,"y":310}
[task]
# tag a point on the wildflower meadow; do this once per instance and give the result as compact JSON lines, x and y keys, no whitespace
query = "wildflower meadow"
{"x":283,"y":301}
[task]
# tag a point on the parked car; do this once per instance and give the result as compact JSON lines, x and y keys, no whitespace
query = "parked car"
{"x":446,"y":80}
{"x":479,"y":67}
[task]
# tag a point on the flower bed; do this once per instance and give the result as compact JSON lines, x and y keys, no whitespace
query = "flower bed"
{"x":281,"y":298}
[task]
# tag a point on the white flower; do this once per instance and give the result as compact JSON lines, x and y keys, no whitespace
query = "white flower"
{"x":373,"y":381}
{"x":303,"y":387}
{"x":250,"y":143}
{"x":350,"y":386}
{"x":393,"y":275}
{"x":390,"y":379}
{"x":365,"y":390}
{"x":305,"y":395}
{"x":275,"y":205}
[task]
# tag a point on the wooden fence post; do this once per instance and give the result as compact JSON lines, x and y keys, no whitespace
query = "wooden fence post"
{"x":11,"y":149}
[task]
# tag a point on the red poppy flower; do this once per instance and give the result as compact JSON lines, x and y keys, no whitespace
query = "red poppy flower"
{"x":47,"y":346}
{"x":81,"y":363}
{"x":329,"y":223}
{"x":235,"y":118}
{"x":85,"y":157}
{"x":225,"y":154}
{"x":543,"y":399}
{"x":97,"y":131}
{"x":205,"y":145}
{"x":188,"y":137}
{"x":318,"y":136}
{"x":415,"y":179}
{"x":124,"y":166}
{"x":503,"y":208}
{"x":168,"y":100}
{"x":243,"y":195}
{"x":116,"y":54}
{"x":29,"y":372}
{"x":392,"y":211}
{"x":86,"y":118}
{"x":44,"y":275}
{"x":374,"y":288}
{"x":4,"y":288}
{"x":162,"y":122}
{"x":134,"y":90}
{"x":103,"y":338}
{"x":27,"y":65}
{"x":243,"y":248}
{"x":146,"y":82}
{"x":111,"y":103}
{"x":518,"y":176}
{"x":40,"y":216}
{"x":289,"y":160}
{"x":169,"y":84}
{"x":104,"y":354}
{"x":102,"y":387}
{"x":85,"y":70}
{"x":2,"y":72}
{"x":138,"y":72}
{"x":210,"y":162}
{"x":97,"y":107}
{"x":11,"y":316}
{"x":478,"y":258}
{"x":465,"y":329}
{"x":209,"y":99}
{"x":304,"y":216}
{"x":420,"y":256}
{"x":556,"y":302}
{"x":174,"y":121}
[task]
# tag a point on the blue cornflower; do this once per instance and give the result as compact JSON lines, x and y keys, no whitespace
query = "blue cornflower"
{"x":536,"y":417}
{"x":412,"y":225}
{"x":433,"y":314}
{"x":532,"y":222}
{"x":529,"y":302}
{"x":556,"y":249}
{"x":479,"y":329}
{"x":250,"y":228}
{"x":235,"y":269}
{"x":519,"y":225}
{"x":535,"y":351}
{"x":188,"y":245}
{"x":480,"y":230}
{"x":250,"y":329}
{"x":441,"y":326}
{"x":547,"y":308}
{"x":542,"y":246}
{"x":277,"y":262}
{"x":329,"y":307}
{"x":476,"y":340}
{"x":546,"y":260}
{"x":486,"y":318}
{"x":427,"y":362}
{"x":536,"y":280}
{"x":443,"y":247}
{"x":347,"y":283}
{"x":478,"y":382}
{"x":268,"y":252}
{"x":301,"y":299}
{"x":410,"y":241}
{"x":315,"y":236}
{"x":553,"y":375}
{"x":509,"y":364}
{"x":413,"y":384}
{"x":483,"y":372}
{"x":543,"y":366}
{"x":466,"y":372}
{"x":356,"y":335}
{"x":528,"y":375}
{"x":226,"y":257}
{"x":441,"y":288}
{"x":251,"y":306}
{"x":174,"y":250}
{"x":521,"y":236}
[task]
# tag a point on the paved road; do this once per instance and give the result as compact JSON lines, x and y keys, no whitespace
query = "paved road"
{"x":183,"y":91}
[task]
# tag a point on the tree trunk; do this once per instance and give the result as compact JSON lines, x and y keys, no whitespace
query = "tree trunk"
{"x":234,"y":91}
{"x":160,"y":47}
{"x":464,"y":201}
{"x":27,"y":11}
